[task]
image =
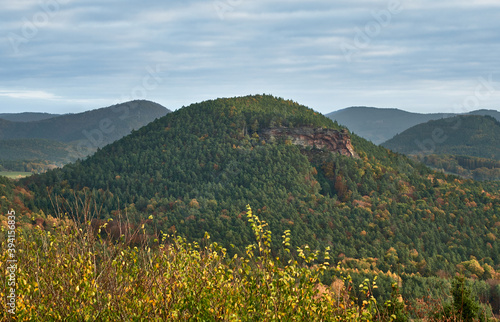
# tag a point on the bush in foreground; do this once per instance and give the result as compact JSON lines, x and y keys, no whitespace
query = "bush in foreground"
{"x":72,"y":274}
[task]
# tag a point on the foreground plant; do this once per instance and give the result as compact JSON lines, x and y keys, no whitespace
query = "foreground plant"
{"x":72,"y":274}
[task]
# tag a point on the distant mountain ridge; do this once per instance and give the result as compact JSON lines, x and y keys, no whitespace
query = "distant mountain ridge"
{"x":469,"y":135}
{"x":114,"y":121}
{"x":27,"y":116}
{"x":467,"y":145}
{"x":79,"y":134}
{"x":493,"y":113}
{"x":381,"y":124}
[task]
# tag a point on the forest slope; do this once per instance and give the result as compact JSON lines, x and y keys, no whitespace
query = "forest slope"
{"x":465,"y":145}
{"x":59,"y":140}
{"x":197,"y":168}
{"x":477,"y":136}
{"x":114,"y":121}
{"x":381,"y":124}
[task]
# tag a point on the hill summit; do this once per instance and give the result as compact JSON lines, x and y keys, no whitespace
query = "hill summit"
{"x":196,"y":169}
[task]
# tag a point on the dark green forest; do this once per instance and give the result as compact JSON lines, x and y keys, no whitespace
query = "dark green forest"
{"x":467,"y":135}
{"x":465,"y":166}
{"x":196,"y":169}
{"x":381,"y":215}
{"x":27,"y":140}
{"x":34,"y":149}
{"x":380,"y":124}
{"x":468,"y":146}
{"x":114,"y":122}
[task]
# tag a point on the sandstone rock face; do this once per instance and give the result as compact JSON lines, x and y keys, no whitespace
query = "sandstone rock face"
{"x":320,"y":138}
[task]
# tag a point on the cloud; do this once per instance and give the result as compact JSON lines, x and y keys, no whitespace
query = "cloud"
{"x":27,"y":94}
{"x":92,"y":52}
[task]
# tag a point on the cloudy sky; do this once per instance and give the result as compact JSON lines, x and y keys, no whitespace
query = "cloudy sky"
{"x":65,"y":56}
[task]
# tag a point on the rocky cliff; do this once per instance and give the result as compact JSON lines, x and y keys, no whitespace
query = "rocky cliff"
{"x":320,"y":138}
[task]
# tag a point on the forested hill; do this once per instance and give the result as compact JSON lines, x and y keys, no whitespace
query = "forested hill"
{"x":197,"y":168}
{"x":111,"y":123}
{"x":380,"y":124}
{"x":59,"y":140}
{"x":470,"y":135}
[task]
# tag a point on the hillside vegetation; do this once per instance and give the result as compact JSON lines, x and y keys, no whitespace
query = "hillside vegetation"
{"x":464,"y":166}
{"x":197,"y":168}
{"x":34,"y":149}
{"x":61,"y":139}
{"x":465,"y":145}
{"x":477,"y":136}
{"x":113,"y":122}
{"x":78,"y":275}
{"x":381,"y":124}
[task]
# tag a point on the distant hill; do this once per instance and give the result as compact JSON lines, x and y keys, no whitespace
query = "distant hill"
{"x":380,"y":124}
{"x":26,"y":116}
{"x":112,"y":122}
{"x":68,"y":137}
{"x":467,"y":145}
{"x":470,"y":135}
{"x":492,"y":113}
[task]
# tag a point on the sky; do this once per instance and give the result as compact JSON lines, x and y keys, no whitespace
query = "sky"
{"x":69,"y":56}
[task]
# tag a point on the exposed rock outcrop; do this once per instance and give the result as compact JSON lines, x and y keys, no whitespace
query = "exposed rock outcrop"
{"x":320,"y":138}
